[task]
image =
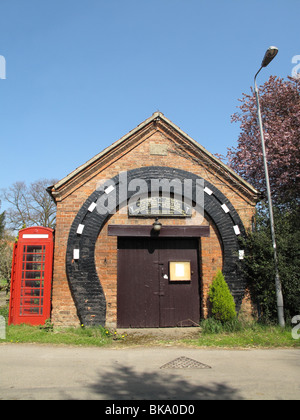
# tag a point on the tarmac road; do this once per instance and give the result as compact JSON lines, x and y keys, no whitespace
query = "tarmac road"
{"x":36,"y":372}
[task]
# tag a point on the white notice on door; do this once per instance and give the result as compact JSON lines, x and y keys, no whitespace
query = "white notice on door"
{"x":179,"y":270}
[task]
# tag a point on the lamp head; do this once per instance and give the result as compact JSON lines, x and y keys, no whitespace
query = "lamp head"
{"x":269,"y":55}
{"x":157,"y":225}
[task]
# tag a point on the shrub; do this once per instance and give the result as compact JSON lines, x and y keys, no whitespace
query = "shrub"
{"x":211,"y":326}
{"x":223,"y":306}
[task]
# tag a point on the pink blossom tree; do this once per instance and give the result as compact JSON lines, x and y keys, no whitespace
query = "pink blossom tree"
{"x":280,"y":107}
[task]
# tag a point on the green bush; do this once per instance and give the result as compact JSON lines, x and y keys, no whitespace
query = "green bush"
{"x":223,"y":306}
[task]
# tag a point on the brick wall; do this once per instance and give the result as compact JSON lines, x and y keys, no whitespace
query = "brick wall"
{"x":152,"y":147}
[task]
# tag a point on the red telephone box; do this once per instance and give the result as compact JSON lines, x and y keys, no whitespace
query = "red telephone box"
{"x":31,"y":278}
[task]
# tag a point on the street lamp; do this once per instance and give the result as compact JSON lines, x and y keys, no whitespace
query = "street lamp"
{"x":269,"y":55}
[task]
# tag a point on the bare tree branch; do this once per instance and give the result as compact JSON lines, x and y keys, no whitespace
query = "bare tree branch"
{"x":30,"y":206}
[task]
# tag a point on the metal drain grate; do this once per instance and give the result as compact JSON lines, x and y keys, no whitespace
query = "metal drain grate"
{"x":184,"y":363}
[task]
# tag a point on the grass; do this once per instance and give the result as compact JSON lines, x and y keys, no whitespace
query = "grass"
{"x":3,"y":283}
{"x":261,"y":337}
{"x":258,"y":336}
{"x":98,"y":337}
{"x":234,"y":335}
{"x":46,"y":334}
{"x":238,"y":334}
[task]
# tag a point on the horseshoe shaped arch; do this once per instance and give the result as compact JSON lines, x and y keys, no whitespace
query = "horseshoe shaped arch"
{"x":83,"y":279}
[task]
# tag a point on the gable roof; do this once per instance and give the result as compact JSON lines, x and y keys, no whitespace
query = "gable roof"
{"x":157,"y":116}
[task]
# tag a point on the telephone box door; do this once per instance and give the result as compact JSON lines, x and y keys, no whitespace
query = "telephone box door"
{"x":30,"y":300}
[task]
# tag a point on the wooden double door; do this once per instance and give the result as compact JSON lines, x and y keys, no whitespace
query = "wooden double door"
{"x":158,"y":282}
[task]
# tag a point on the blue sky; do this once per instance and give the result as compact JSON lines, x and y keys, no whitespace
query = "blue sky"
{"x":81,"y":74}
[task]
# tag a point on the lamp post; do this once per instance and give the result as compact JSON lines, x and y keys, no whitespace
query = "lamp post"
{"x":269,"y":55}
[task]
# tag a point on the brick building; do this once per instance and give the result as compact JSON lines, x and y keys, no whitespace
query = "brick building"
{"x":111,"y":267}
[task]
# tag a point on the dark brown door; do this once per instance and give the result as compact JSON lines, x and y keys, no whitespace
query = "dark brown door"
{"x":147,"y":297}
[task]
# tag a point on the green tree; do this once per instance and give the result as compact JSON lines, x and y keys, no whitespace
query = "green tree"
{"x":223,"y":306}
{"x":259,"y":267}
{"x":280,"y":106}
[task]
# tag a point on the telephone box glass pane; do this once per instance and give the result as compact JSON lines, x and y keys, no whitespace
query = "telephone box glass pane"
{"x":32,"y":286}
